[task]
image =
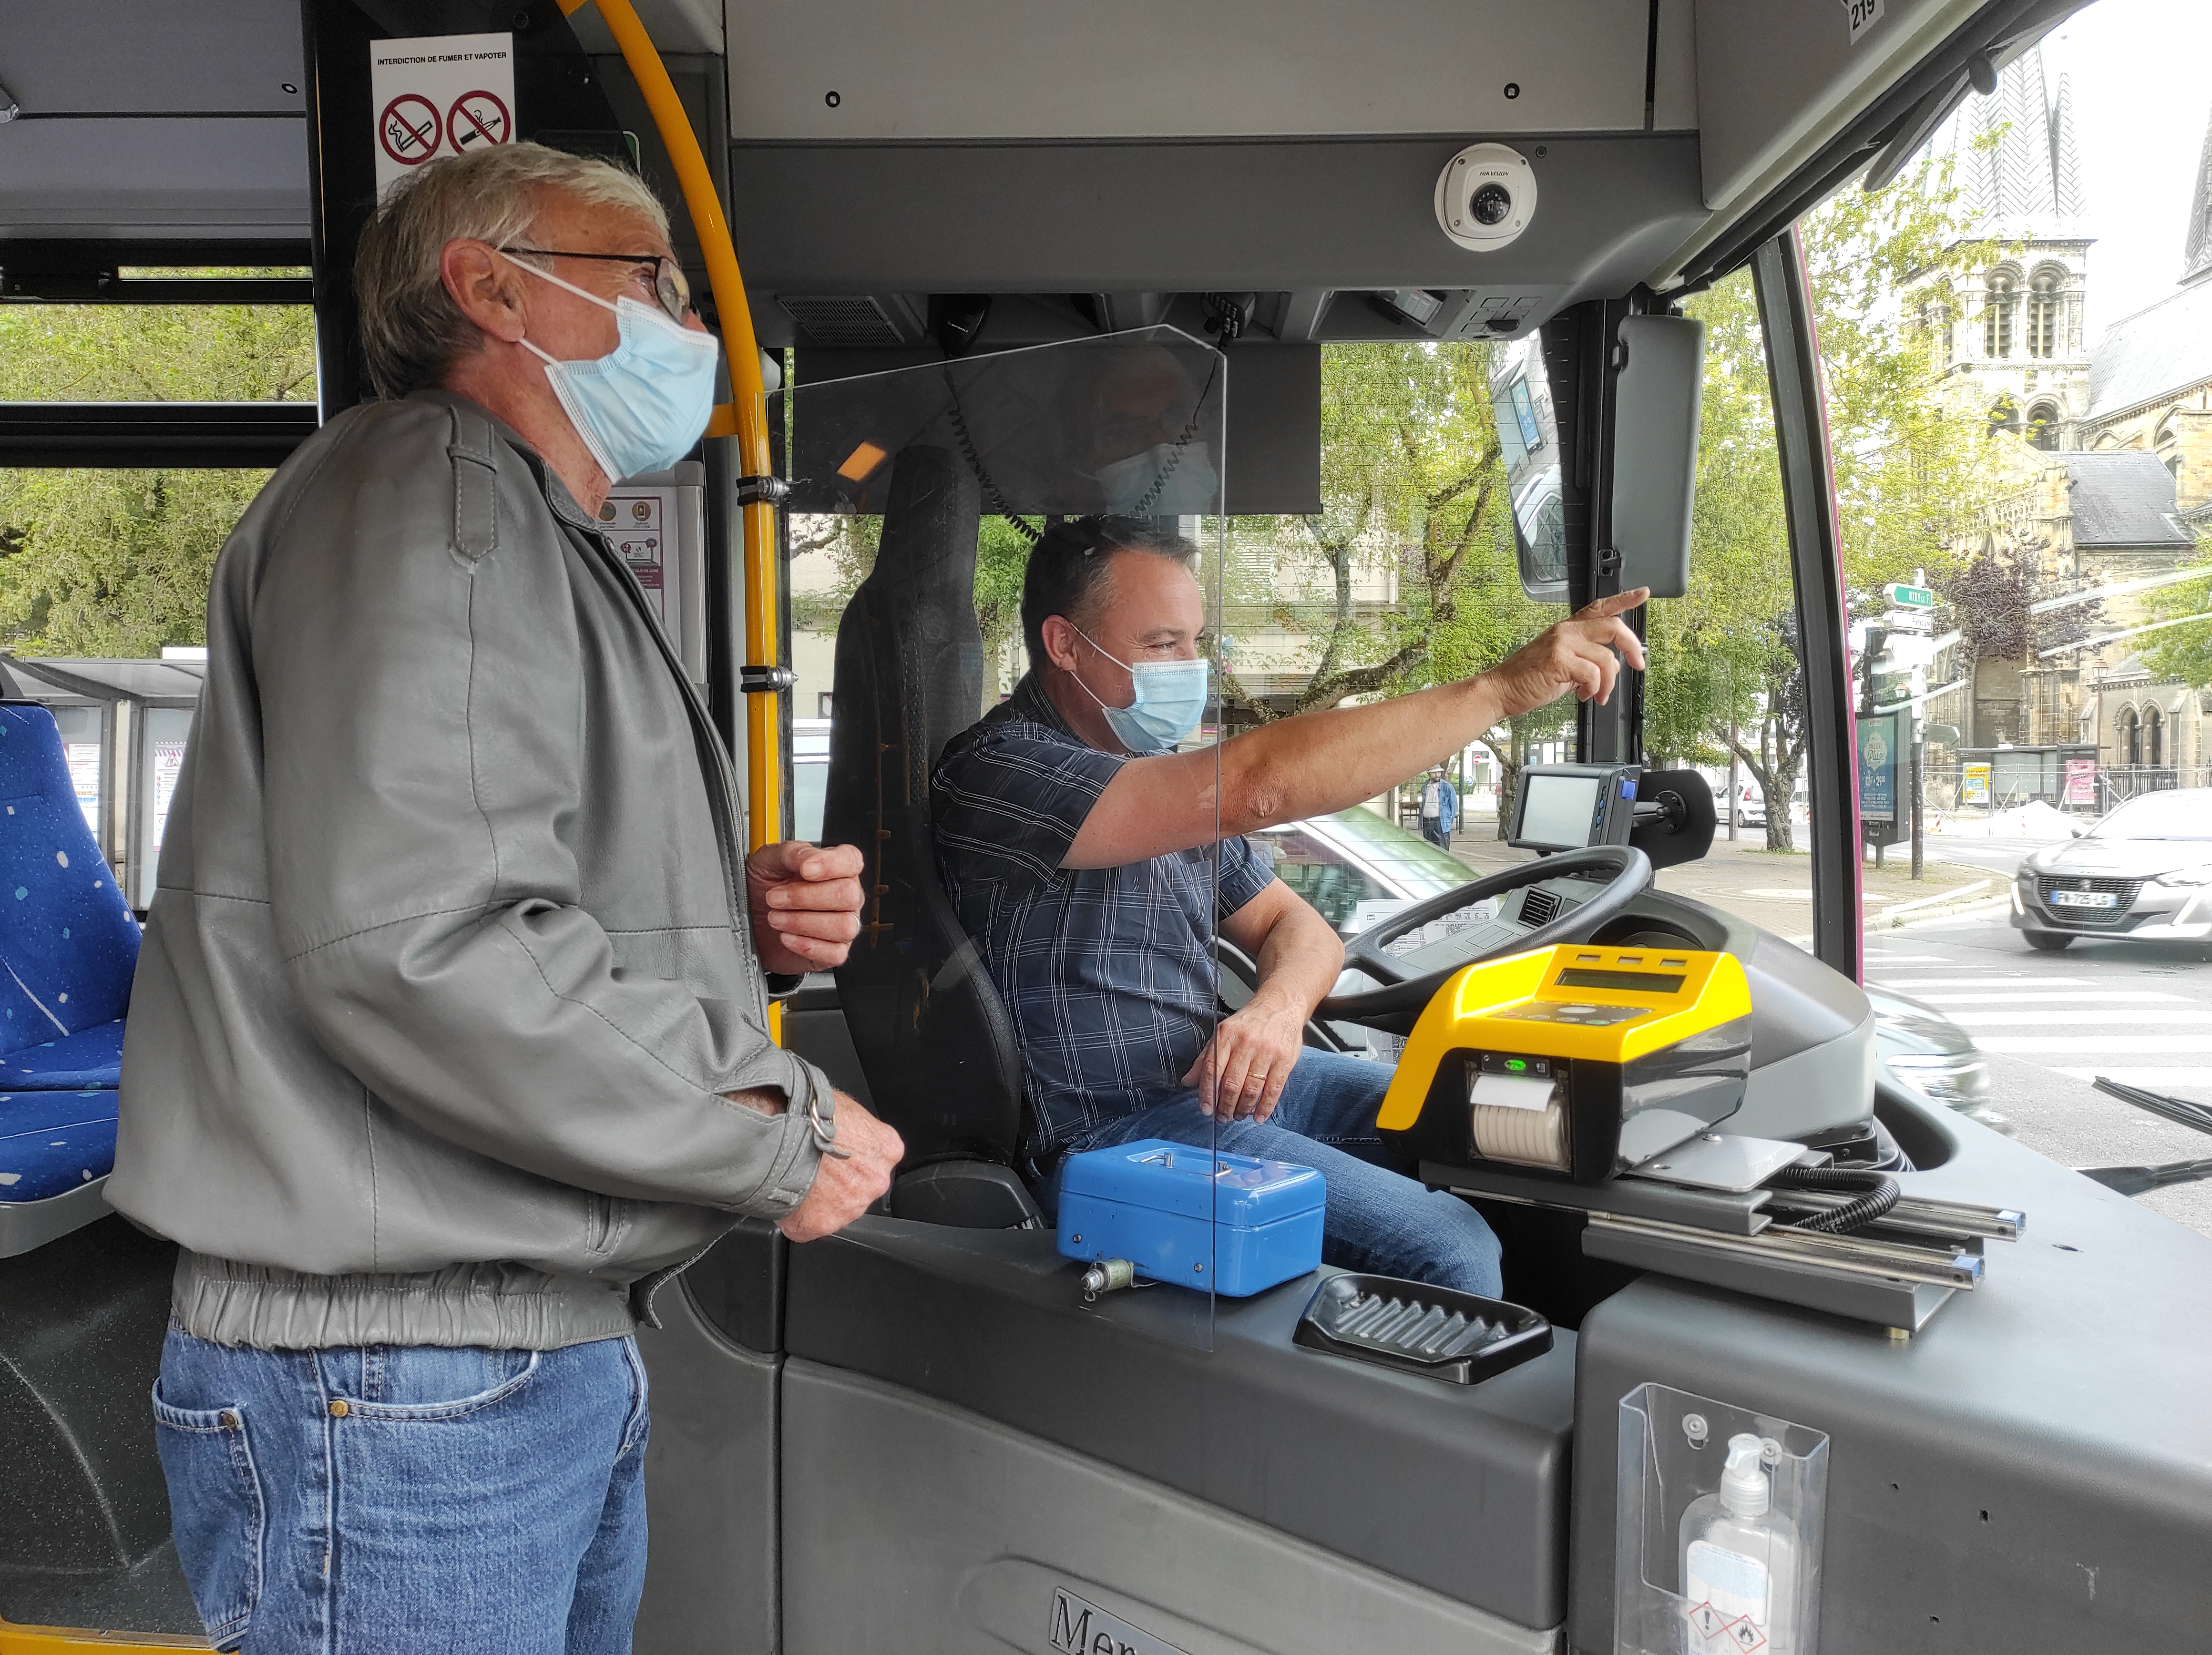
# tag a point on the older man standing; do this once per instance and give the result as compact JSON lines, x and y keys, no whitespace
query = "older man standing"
{"x":448,"y":1044}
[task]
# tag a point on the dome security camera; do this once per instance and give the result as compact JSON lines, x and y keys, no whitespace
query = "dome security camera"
{"x":1485,"y":196}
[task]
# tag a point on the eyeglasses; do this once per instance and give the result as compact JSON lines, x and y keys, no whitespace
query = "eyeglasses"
{"x":669,"y":285}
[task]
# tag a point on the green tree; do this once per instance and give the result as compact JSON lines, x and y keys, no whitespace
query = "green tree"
{"x":116,"y":562}
{"x":1413,"y":491}
{"x":1909,"y":467}
{"x":2184,"y":652}
{"x":1002,"y":556}
{"x":1724,"y":670}
{"x":1414,"y":506}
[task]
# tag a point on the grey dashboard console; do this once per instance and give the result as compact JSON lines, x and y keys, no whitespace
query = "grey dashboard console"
{"x":1813,"y":1059}
{"x":2031,"y":1471}
{"x":1461,"y":1489}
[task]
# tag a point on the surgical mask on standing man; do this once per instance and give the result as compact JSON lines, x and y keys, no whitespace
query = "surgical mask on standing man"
{"x":641,"y":407}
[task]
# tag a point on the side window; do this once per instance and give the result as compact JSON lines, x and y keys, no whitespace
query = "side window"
{"x":1318,"y":872}
{"x":104,"y":569}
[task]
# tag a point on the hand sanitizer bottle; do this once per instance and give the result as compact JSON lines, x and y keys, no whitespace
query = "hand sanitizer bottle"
{"x":1740,"y":1564}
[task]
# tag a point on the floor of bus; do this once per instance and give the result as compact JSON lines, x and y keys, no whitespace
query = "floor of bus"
{"x":151,"y":1597}
{"x":85,"y":1541}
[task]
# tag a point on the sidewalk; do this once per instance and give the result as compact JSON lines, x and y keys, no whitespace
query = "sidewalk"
{"x":1772,"y":889}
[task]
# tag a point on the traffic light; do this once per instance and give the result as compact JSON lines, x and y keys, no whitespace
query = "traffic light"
{"x":1871,"y":652}
{"x":1895,"y":672}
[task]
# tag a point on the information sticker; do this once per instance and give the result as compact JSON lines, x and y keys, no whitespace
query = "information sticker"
{"x":1865,"y":14}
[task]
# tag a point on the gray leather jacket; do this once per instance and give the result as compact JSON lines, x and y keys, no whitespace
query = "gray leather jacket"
{"x":449,"y":966}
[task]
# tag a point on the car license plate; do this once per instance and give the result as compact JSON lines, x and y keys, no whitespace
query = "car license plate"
{"x":2085,"y":899}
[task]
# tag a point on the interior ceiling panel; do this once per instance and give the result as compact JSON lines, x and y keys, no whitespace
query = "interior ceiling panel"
{"x":216,"y":147}
{"x":1198,"y":217}
{"x":77,"y":57}
{"x":154,"y":179}
{"x":1772,"y":74}
{"x":1013,"y":69}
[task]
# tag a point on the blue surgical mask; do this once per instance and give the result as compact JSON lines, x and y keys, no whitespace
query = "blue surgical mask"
{"x":1171,"y":700}
{"x":1165,"y":481}
{"x":642,"y":408}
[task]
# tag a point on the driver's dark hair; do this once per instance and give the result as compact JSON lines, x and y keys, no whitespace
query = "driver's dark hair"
{"x":1069,"y":566}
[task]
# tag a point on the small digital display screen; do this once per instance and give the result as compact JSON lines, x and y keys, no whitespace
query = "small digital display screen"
{"x":1557,"y":812}
{"x":1642,"y":982}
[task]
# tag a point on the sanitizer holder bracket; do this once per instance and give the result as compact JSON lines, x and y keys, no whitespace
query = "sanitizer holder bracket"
{"x":1712,"y":1561}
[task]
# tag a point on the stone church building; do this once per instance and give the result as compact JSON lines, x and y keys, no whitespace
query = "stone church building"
{"x":2111,"y":436}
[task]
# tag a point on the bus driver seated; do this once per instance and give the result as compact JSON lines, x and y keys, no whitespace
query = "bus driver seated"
{"x":1076,"y":845}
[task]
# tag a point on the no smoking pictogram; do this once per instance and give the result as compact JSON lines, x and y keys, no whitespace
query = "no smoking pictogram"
{"x":409,"y":129}
{"x":478,"y":118}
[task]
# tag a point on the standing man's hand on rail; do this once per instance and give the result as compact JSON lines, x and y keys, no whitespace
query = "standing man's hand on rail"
{"x":805,"y":902}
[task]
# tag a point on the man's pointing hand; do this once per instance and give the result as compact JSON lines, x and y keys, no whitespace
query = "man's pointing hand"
{"x":1576,"y":654}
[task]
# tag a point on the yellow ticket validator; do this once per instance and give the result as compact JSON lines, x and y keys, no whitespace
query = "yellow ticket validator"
{"x":1577,"y":1061}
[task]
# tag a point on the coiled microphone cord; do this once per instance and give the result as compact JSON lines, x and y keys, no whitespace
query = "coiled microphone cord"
{"x":1881,"y":1194}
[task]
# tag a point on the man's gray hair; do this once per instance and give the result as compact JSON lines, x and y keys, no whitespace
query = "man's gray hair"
{"x":411,"y":330}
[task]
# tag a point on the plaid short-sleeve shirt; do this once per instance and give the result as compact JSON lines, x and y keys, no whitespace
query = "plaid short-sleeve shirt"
{"x":1107,"y":973}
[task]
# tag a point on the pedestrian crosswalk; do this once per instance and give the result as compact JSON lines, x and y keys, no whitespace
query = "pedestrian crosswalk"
{"x":1976,"y":1019}
{"x":2132,"y":1018}
{"x":2069,"y":996}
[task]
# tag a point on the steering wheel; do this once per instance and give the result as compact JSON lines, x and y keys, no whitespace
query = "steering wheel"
{"x":1394,"y":1007}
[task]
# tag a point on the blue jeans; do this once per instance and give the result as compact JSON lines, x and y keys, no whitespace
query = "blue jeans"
{"x":1376,"y":1220}
{"x":352,"y":1500}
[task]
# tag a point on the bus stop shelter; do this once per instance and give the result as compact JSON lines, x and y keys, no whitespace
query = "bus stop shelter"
{"x":124,"y":726}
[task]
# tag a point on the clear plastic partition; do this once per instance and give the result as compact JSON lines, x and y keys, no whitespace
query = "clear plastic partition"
{"x":927,"y":493}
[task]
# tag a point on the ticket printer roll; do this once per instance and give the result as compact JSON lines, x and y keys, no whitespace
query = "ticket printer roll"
{"x":1522,"y":1119}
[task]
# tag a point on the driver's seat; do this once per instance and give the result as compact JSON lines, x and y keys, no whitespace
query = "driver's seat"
{"x":933,"y":1038}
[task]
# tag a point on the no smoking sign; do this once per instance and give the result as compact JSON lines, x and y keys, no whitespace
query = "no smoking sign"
{"x":478,"y":119}
{"x":408,"y":130}
{"x":438,"y":95}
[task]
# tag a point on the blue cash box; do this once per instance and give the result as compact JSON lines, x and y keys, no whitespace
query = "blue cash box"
{"x":1153,"y":1202}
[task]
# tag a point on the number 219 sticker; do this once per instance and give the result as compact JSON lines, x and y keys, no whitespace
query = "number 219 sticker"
{"x":1865,"y":14}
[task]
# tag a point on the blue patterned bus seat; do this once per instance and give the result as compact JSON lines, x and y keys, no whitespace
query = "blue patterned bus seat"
{"x":67,"y":936}
{"x":52,"y":1142}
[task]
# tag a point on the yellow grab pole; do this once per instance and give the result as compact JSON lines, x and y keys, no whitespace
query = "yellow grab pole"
{"x":745,"y":417}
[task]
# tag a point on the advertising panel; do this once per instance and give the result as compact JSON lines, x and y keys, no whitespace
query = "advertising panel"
{"x":2080,"y":782}
{"x":1880,"y":750}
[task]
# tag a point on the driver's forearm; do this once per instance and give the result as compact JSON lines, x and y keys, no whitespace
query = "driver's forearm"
{"x":1299,"y":960}
{"x":1332,"y":760}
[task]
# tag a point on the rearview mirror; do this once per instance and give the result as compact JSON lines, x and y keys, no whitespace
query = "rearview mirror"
{"x":1521,"y":397}
{"x":1655,"y":453}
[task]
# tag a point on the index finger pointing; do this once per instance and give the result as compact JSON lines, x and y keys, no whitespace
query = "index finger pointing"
{"x":1619,"y":603}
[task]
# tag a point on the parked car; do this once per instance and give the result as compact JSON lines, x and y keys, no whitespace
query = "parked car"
{"x":1750,"y":804}
{"x":1358,"y":870}
{"x":2143,"y":872}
